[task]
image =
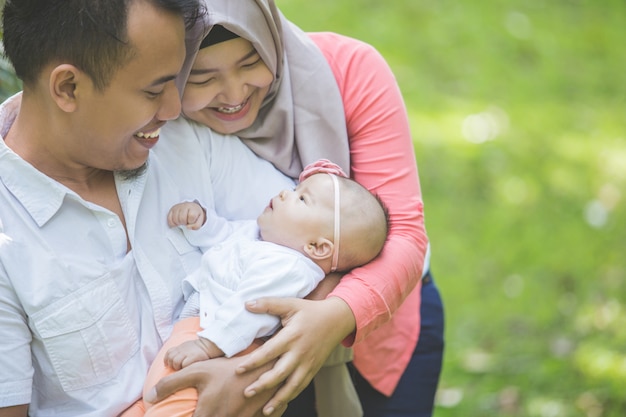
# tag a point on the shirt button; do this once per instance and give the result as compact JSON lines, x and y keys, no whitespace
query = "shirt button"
{"x":111,"y":222}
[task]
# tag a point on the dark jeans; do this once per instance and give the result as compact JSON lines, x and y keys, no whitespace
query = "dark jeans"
{"x":415,"y":394}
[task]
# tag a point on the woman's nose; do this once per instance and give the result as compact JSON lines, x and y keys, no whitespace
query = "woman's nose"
{"x":234,"y":91}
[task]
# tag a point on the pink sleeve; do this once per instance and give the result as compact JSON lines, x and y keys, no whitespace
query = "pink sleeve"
{"x":382,"y":160}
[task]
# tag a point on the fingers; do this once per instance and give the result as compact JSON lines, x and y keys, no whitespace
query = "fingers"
{"x":225,"y":396}
{"x":177,"y":216}
{"x":269,"y":351}
{"x":285,"y":371}
{"x":293,"y":386}
{"x":175,"y":359}
{"x":266,"y":381}
{"x":278,"y":344}
{"x":300,"y":352}
{"x":276,"y":306}
{"x":281,"y":345}
{"x":186,"y":214}
{"x":195,"y":224}
{"x":277,"y":403}
{"x":185,"y":378}
{"x":279,"y":411}
{"x":170,"y":218}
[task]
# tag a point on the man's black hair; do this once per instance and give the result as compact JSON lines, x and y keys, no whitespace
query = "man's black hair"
{"x":90,"y":34}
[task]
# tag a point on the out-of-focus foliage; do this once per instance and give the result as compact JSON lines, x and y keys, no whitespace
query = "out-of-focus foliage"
{"x":517,"y":113}
{"x":9,"y":84}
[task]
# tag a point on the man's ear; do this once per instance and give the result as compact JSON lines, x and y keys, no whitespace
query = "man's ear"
{"x":319,"y":250}
{"x":63,"y":84}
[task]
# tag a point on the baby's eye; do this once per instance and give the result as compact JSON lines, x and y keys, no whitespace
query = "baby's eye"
{"x":301,"y":198}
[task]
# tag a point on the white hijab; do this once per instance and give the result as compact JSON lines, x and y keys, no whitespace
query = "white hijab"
{"x":302,"y":118}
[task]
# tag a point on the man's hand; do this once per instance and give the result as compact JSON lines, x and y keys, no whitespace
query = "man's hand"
{"x":16,"y":411}
{"x":311,"y":330}
{"x":220,"y":390}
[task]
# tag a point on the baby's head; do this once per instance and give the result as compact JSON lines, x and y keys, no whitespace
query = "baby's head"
{"x":337,"y":237}
{"x":363,"y":222}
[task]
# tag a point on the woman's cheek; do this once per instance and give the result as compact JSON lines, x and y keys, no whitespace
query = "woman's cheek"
{"x":195,"y":99}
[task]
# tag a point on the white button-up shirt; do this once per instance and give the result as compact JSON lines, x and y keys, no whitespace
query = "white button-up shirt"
{"x":80,"y":318}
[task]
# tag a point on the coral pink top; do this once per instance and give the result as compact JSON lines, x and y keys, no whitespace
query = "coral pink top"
{"x":382,"y":159}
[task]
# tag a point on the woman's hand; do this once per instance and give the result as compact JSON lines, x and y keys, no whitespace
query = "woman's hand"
{"x":311,"y":330}
{"x":220,"y":389}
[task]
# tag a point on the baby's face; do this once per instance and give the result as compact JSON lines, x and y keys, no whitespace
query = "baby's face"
{"x":297,"y":217}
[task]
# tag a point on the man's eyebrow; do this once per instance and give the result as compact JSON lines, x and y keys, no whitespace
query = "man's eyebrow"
{"x":201,"y":71}
{"x":162,"y":80}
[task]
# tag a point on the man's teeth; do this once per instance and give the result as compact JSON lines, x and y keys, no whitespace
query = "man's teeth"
{"x":150,"y":135}
{"x":230,"y":110}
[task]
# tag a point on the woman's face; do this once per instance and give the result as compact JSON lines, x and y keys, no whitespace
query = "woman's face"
{"x":226,"y":87}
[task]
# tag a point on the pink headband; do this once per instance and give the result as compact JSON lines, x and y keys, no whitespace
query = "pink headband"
{"x":324,"y":166}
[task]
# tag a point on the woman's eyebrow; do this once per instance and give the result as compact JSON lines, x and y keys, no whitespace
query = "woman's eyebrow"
{"x":250,"y":54}
{"x":201,"y":71}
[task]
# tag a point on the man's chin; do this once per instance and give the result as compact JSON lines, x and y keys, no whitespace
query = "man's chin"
{"x":130,"y":174}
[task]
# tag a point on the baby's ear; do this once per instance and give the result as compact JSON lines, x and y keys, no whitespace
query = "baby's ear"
{"x":320,"y":249}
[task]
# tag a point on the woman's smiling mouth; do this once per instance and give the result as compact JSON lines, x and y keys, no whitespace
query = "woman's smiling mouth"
{"x":231,"y":110}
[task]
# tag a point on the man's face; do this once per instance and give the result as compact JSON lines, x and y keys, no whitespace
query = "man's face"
{"x":115,"y":128}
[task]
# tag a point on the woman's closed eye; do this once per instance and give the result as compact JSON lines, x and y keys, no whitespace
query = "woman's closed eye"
{"x":203,"y":81}
{"x":154,"y":94}
{"x":253,"y":63}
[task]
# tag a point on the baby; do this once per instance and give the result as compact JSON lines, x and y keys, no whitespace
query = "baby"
{"x":324,"y":213}
{"x":327,"y":223}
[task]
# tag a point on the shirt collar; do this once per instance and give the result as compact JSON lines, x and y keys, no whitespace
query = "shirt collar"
{"x":40,"y":195}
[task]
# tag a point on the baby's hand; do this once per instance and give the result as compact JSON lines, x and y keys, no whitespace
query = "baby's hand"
{"x":190,"y":214}
{"x":191,"y":351}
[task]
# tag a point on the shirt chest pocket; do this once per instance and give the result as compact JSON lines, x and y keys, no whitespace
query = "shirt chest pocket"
{"x":87,"y":335}
{"x":188,"y":254}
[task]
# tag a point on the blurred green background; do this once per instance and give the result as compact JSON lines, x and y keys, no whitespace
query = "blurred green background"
{"x":517,"y":111}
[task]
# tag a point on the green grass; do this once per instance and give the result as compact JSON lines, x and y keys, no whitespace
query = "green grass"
{"x":517,"y":110}
{"x":517,"y":113}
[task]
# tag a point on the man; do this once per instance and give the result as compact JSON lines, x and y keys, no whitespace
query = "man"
{"x":89,"y":271}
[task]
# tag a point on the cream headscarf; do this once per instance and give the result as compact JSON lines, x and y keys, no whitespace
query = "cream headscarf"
{"x":302,"y":118}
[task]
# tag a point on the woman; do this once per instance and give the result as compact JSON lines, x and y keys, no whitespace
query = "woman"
{"x":296,"y":98}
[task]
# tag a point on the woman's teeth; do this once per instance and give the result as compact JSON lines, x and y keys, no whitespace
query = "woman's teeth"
{"x":230,"y":110}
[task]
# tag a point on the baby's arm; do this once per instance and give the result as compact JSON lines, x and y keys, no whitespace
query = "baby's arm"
{"x":190,"y":214}
{"x":191,"y":351}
